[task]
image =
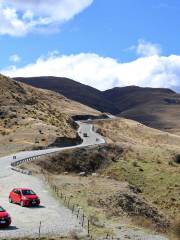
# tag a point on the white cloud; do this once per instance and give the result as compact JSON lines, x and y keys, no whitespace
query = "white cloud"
{"x":19,"y":17}
{"x":145,"y":48}
{"x":15,"y":58}
{"x":104,"y":73}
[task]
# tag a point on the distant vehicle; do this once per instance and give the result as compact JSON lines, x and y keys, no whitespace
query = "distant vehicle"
{"x":5,"y":219}
{"x":85,"y":135}
{"x":24,"y":196}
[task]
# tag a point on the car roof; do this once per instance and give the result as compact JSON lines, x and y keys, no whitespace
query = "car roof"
{"x":21,"y":189}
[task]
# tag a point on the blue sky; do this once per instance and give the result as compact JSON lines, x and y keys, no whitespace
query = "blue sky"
{"x":110,"y":37}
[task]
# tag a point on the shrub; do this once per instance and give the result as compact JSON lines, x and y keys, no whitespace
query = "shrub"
{"x":177,"y":158}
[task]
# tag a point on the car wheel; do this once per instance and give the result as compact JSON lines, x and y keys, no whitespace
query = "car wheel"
{"x":10,"y":200}
{"x":22,"y":204}
{"x":7,"y":225}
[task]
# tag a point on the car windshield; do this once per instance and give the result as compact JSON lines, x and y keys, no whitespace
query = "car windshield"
{"x":2,"y":210}
{"x":28,"y":192}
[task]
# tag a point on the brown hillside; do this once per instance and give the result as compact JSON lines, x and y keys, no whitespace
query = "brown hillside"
{"x":150,"y":162}
{"x":73,"y":90}
{"x":155,"y":107}
{"x":31,"y":117}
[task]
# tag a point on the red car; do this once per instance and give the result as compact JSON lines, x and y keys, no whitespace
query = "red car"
{"x":5,"y":219}
{"x":24,"y":196}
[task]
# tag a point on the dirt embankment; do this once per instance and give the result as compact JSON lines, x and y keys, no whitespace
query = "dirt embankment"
{"x":88,"y":160}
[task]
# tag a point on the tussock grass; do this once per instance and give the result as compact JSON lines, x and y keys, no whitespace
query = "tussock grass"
{"x":149,"y":162}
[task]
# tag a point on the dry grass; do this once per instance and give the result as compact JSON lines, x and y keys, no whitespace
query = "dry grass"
{"x":88,"y":160}
{"x":149,"y":162}
{"x":99,"y":198}
{"x":72,"y":237}
{"x":31,"y":117}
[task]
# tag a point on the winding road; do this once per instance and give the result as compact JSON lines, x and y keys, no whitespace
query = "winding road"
{"x":55,"y":218}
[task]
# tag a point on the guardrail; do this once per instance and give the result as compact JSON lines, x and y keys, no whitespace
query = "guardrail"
{"x":14,"y":165}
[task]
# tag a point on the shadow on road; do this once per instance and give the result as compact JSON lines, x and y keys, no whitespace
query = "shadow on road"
{"x":35,"y":207}
{"x":10,"y":228}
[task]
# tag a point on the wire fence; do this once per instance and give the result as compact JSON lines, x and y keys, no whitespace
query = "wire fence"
{"x":39,"y":232}
{"x":77,"y":210}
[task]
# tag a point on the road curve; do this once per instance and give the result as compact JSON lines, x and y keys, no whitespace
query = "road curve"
{"x":55,"y":218}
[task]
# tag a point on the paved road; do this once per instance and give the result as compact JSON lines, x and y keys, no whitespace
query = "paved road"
{"x":55,"y":218}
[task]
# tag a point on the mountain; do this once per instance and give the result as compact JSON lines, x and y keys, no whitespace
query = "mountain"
{"x":31,"y":117}
{"x":132,"y":96}
{"x":74,"y":91}
{"x":155,"y":107}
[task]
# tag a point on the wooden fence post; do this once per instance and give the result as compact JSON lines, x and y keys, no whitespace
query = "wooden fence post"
{"x":40,"y":230}
{"x":68,"y":202}
{"x":88,"y":228}
{"x":78,"y":212}
{"x":83,"y":220}
{"x":73,"y":208}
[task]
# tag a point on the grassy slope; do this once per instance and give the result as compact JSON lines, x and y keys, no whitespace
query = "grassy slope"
{"x":33,"y":117}
{"x":148,"y":162}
